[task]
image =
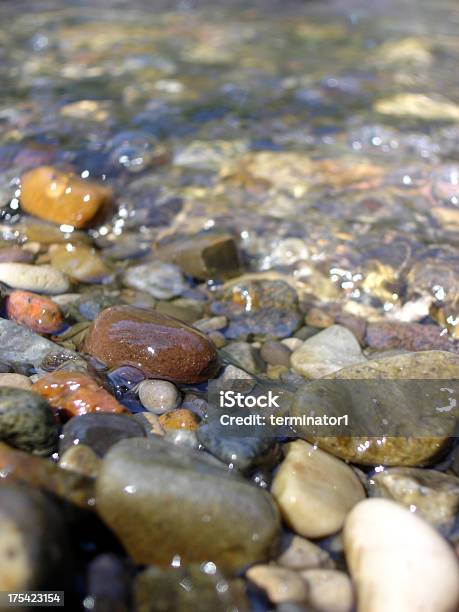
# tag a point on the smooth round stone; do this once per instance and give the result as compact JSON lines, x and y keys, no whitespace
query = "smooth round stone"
{"x":81,"y":459}
{"x":38,"y":313}
{"x":27,"y":421}
{"x":161,"y":280}
{"x":180,"y":418}
{"x":60,"y":197}
{"x":432,"y":495}
{"x":41,"y":279}
{"x":279,"y":583}
{"x":79,"y":262}
{"x":244,"y":355}
{"x":327,"y":352}
{"x":329,"y":590}
{"x":18,"y":381}
{"x":275,"y":353}
{"x":398,"y":561}
{"x":314,"y":490}
{"x":163,"y":500}
{"x":301,"y":554}
{"x":158,"y":396}
{"x":182,"y":437}
{"x":160,"y":346}
{"x":99,"y":431}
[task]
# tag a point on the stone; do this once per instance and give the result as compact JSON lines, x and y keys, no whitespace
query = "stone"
{"x":262,"y":308}
{"x":184,"y":309}
{"x":403,"y":407}
{"x":292,"y":343}
{"x":180,"y":418}
{"x":182,"y":437}
{"x":390,"y":335}
{"x":301,"y":554}
{"x":165,"y":502}
{"x":279,"y":583}
{"x":419,"y":106}
{"x":79,"y":262}
{"x":99,"y":431}
{"x":150,"y":424}
{"x":109,"y":583}
{"x":207,"y":590}
{"x":27,"y":421}
{"x":161,"y":280}
{"x":158,"y":345}
{"x":314,"y":490}
{"x":209,"y":256}
{"x":81,"y":459}
{"x":41,"y":279}
{"x":211,"y":324}
{"x":15,"y":254}
{"x":61,"y":197}
{"x":328,"y":351}
{"x":17,"y":381}
{"x":414,"y":568}
{"x":38,"y":313}
{"x":329,"y":590}
{"x":243,"y":355}
{"x":74,"y":393}
{"x":432,"y":495}
{"x":275,"y":353}
{"x":35,"y":549}
{"x":319,"y":318}
{"x":158,"y":396}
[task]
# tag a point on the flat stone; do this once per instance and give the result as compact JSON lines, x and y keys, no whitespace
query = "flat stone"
{"x":162,"y":501}
{"x":314,"y":490}
{"x":80,"y":263}
{"x":329,"y":590}
{"x":15,"y":254}
{"x":41,"y":279}
{"x":158,"y":345}
{"x":81,"y":459}
{"x":414,"y":568}
{"x":301,"y":554}
{"x":279,"y":583}
{"x":244,"y":355}
{"x":390,"y":335}
{"x":276,"y":353}
{"x":17,"y":381}
{"x":161,"y":280}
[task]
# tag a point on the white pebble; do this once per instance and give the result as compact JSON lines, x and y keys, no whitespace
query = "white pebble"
{"x":42,"y":279}
{"x":292,"y":343}
{"x":158,"y":396}
{"x":18,"y":381}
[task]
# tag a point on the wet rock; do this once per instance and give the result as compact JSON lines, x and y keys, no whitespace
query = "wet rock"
{"x":319,"y":318}
{"x":34,"y":550}
{"x":207,"y":590}
{"x":79,"y":262}
{"x":244,"y":356}
{"x":301,"y":554}
{"x":158,"y":396}
{"x":205,"y":257}
{"x":419,"y":106}
{"x":27,"y":421}
{"x":17,"y":381}
{"x":275,"y":353}
{"x":314,"y":490}
{"x":211,"y":324}
{"x":429,"y":493}
{"x":161,"y":280}
{"x":182,"y":437}
{"x":74,"y":393}
{"x":39,"y":314}
{"x":182,"y":309}
{"x":180,"y":418}
{"x":148,"y":488}
{"x":402,"y":409}
{"x":16,"y":255}
{"x":279,"y":583}
{"x":414,"y":568}
{"x":390,"y":335}
{"x":109,"y":583}
{"x":98,"y":431}
{"x":41,"y":279}
{"x":62,"y":198}
{"x":81,"y":459}
{"x":265,"y":309}
{"x":158,"y":345}
{"x":329,"y":590}
{"x":151,"y":425}
{"x":292,"y":343}
{"x":327,"y":352}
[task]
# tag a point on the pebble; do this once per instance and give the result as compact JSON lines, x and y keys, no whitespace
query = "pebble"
{"x":147,"y":489}
{"x":301,"y":554}
{"x":418,"y":105}
{"x":314,"y":490}
{"x":79,"y":262}
{"x":329,"y":590}
{"x":26,"y":421}
{"x":292,"y":343}
{"x":319,"y":318}
{"x":180,"y":418}
{"x":390,"y":335}
{"x":41,"y":279}
{"x":73,"y":393}
{"x":431,"y":494}
{"x":414,"y":568}
{"x":161,"y":280}
{"x":158,"y":396}
{"x":279,"y":583}
{"x":109,"y":583}
{"x":150,"y":424}
{"x":38,"y":313}
{"x":158,"y":345}
{"x":17,"y":381}
{"x":60,"y":197}
{"x":244,"y":356}
{"x":275,"y":353}
{"x":327,"y":352}
{"x":99,"y":431}
{"x":218,"y":339}
{"x":182,"y":437}
{"x":81,"y":459}
{"x":211,"y":324}
{"x":16,"y":255}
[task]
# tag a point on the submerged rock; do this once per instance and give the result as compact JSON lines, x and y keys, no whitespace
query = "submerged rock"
{"x":39,"y":314}
{"x":161,"y":280}
{"x":79,"y":262}
{"x":160,"y":346}
{"x":167,"y":502}
{"x":41,"y":279}
{"x":389,"y":335}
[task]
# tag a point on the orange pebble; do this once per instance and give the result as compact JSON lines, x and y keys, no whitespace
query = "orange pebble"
{"x":180,"y":418}
{"x":38,"y":313}
{"x":73,"y":393}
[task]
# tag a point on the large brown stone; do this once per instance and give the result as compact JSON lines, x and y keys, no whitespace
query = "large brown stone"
{"x":160,"y":346}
